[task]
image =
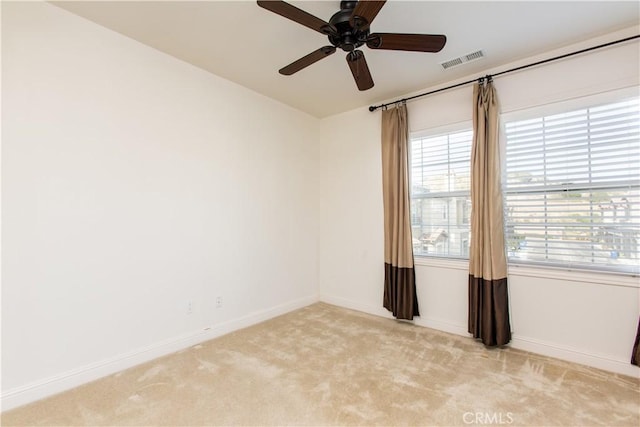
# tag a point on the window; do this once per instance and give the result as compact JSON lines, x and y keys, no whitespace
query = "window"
{"x":572,"y":186}
{"x":440,"y":202}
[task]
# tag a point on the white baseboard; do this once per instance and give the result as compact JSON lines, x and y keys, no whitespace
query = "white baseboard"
{"x":576,"y":356}
{"x":353,"y":305}
{"x":58,"y":383}
{"x":517,"y":342}
{"x":443,"y":326}
{"x":383,"y":312}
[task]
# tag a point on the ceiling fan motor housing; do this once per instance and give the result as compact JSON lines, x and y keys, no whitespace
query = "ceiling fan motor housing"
{"x":347,"y":38}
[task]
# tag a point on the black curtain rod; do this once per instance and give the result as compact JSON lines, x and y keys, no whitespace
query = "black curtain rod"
{"x":490,"y":76}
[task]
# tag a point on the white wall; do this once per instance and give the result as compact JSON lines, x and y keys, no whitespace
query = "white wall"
{"x":133,"y":183}
{"x":587,"y":318}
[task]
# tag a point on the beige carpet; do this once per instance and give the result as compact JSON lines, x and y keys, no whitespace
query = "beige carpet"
{"x":324,"y":365}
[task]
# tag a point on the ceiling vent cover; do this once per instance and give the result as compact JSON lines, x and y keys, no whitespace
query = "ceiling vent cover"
{"x":473,"y":56}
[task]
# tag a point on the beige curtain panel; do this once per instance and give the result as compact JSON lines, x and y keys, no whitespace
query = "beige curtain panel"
{"x":399,"y":274}
{"x":488,"y":296}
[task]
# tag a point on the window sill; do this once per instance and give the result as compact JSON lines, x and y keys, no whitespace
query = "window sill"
{"x":520,"y":270}
{"x":585,"y":276}
{"x":451,"y":263}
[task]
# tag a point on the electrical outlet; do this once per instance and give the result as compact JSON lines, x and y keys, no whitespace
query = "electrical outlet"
{"x":189,"y":307}
{"x":218,"y":302}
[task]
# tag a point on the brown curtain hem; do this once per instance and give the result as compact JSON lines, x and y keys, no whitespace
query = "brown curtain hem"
{"x":635,"y":354}
{"x":489,"y":311}
{"x":400,"y":291}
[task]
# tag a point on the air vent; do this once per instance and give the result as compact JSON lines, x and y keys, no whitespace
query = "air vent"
{"x":451,"y":63}
{"x":473,"y":56}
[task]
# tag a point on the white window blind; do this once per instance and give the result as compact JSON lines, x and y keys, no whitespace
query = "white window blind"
{"x":572,"y":188}
{"x":440,"y":203}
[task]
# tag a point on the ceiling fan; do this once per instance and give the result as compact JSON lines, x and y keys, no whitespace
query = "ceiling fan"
{"x":348,"y":29}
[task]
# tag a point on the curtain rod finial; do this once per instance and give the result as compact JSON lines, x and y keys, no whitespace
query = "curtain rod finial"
{"x":372,"y":108}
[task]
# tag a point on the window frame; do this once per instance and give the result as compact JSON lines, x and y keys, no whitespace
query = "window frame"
{"x":550,"y":109}
{"x":541,"y":269}
{"x":448,"y":129}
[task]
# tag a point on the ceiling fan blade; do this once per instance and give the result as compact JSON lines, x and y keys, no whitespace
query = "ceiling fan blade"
{"x":410,"y":42}
{"x":360,"y":70}
{"x":307,"y":60}
{"x":365,"y":12}
{"x":297,"y":15}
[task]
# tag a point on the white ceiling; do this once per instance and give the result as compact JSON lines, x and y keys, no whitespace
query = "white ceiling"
{"x":246,"y":44}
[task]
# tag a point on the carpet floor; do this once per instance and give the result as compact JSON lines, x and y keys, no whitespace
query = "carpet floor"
{"x":327,"y":366}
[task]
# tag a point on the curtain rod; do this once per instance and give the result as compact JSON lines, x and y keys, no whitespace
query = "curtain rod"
{"x":489,"y":76}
